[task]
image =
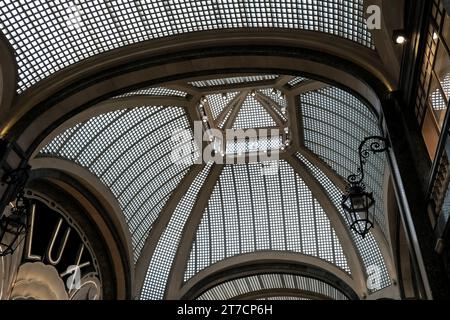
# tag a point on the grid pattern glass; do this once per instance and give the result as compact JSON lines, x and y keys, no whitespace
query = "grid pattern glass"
{"x":131,"y":152}
{"x":367,"y":247}
{"x":277,"y":97}
{"x":166,"y":249}
{"x":48,"y":36}
{"x":249,"y":211}
{"x":155,"y":91}
{"x":233,"y":80}
{"x":284,"y":298}
{"x":218,"y":102}
{"x":255,"y":144}
{"x":335,"y":122}
{"x":252,"y":115}
{"x":296,"y":81}
{"x":224,"y":120}
{"x":270,"y":281}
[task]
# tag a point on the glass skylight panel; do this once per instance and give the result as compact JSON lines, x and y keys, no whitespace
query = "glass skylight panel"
{"x":252,"y":115}
{"x":284,"y":298}
{"x":162,"y":259}
{"x":296,"y":81}
{"x":49,"y":36}
{"x":218,"y":102}
{"x":277,"y":96}
{"x":255,"y":144}
{"x":234,"y":288}
{"x":130,"y":151}
{"x":222,"y":123}
{"x":367,"y":247}
{"x":155,"y":91}
{"x":249,"y":212}
{"x":233,"y":80}
{"x":335,"y":122}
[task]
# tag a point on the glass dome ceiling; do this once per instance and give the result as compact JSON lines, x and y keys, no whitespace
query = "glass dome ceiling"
{"x":244,"y":288}
{"x":248,"y":208}
{"x":48,"y":36}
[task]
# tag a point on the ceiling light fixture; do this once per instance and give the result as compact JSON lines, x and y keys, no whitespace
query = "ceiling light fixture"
{"x":400,"y":37}
{"x":357,"y":203}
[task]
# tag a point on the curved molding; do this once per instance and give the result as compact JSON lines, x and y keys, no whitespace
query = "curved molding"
{"x":113,"y":105}
{"x":159,"y":226}
{"x":317,"y":41}
{"x":107,"y":201}
{"x":8,"y":77}
{"x":90,"y":289}
{"x":177,"y":272}
{"x":339,"y":225}
{"x":175,"y":280}
{"x":382,"y":241}
{"x":266,"y":262}
{"x":391,"y":19}
{"x":94,"y":185}
{"x":43,"y":108}
{"x":262,"y":294}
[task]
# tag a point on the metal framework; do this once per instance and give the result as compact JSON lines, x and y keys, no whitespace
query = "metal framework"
{"x":167,"y":245}
{"x":68,"y":32}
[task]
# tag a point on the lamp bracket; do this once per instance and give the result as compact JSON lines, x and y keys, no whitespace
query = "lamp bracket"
{"x":370,"y":145}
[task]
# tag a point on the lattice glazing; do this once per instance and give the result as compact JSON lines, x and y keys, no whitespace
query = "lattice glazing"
{"x":249,"y":212}
{"x":252,"y":115}
{"x":162,"y":259}
{"x":335,"y":122}
{"x":238,"y":287}
{"x":367,"y":247}
{"x":48,"y":36}
{"x":130,"y":151}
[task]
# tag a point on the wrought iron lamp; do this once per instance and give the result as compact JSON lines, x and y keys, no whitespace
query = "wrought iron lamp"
{"x":13,"y":224}
{"x":357,"y":203}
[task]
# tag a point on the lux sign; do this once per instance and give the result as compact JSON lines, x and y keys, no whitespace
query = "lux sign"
{"x":52,"y":240}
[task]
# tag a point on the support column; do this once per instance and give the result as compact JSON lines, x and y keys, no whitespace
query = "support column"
{"x":410,"y":168}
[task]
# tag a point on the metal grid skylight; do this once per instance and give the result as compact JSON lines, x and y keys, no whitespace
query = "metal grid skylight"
{"x":252,"y":115}
{"x":224,"y":120}
{"x":49,"y":36}
{"x":335,"y":122}
{"x":233,"y":80}
{"x":238,"y":287}
{"x":367,"y":247}
{"x":218,"y":102}
{"x":264,"y":144}
{"x":277,"y":97}
{"x":162,"y":259}
{"x":284,"y":298}
{"x":130,"y":151}
{"x":249,"y":212}
{"x":155,"y":91}
{"x":296,"y":81}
